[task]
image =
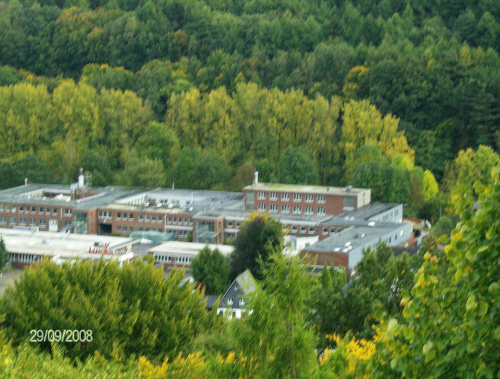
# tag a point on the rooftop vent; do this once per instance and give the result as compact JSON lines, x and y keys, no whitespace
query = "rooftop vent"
{"x":347,"y":243}
{"x":337,"y":249}
{"x":371,"y":223}
{"x":348,"y":188}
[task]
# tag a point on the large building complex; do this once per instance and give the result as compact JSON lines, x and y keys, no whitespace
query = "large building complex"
{"x":208,"y":216}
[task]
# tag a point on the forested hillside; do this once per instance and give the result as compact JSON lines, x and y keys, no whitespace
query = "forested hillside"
{"x":201,"y":93}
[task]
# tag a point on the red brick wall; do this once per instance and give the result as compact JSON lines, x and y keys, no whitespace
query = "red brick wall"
{"x":327,"y":259}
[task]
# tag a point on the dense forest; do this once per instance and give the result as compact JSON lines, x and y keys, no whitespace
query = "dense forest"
{"x":385,"y":94}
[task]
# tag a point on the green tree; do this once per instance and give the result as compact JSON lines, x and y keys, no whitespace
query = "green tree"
{"x":132,"y":309}
{"x":143,"y":172}
{"x":450,"y":324}
{"x":296,"y":167}
{"x":276,"y":333}
{"x":159,"y":142}
{"x":4,"y":255}
{"x":251,"y":243}
{"x":8,"y":176}
{"x":212,"y":268}
{"x":34,"y":169}
{"x":97,"y":164}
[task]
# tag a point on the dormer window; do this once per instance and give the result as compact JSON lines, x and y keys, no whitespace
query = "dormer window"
{"x":242,"y":302}
{"x":230,"y":301}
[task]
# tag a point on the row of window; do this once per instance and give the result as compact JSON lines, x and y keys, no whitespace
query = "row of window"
{"x":146,"y":218}
{"x":169,"y":259}
{"x":23,"y":258}
{"x":285,"y":196}
{"x":33,"y":210}
{"x":230,"y":224}
{"x":332,"y":230}
{"x":273,"y":208}
{"x":22,"y":221}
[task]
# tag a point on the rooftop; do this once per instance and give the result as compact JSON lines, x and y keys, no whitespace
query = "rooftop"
{"x":65,"y":245}
{"x":305,"y":188}
{"x":188,"y":248}
{"x":370,"y":210}
{"x":354,"y":237}
{"x":60,"y":195}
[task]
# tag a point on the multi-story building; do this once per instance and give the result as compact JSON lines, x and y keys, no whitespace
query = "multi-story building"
{"x":303,"y":199}
{"x":203,"y":216}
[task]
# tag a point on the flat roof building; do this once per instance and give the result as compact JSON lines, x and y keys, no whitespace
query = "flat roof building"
{"x":26,"y":247}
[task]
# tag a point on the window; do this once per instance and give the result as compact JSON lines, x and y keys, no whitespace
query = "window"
{"x":309,"y":210}
{"x":21,"y":208}
{"x":321,"y":198}
{"x":339,"y":230}
{"x":118,"y":229}
{"x":273,"y":196}
{"x":47,"y":211}
{"x":33,"y":210}
{"x":237,"y":224}
{"x":43,"y":223}
{"x":32,"y":222}
{"x":12,"y":221}
{"x":261,"y":195}
{"x":242,"y":302}
{"x":124,"y":217}
{"x":348,"y":203}
{"x":311,"y":229}
{"x":185,"y":221}
{"x":146,"y":218}
{"x":230,"y":301}
{"x":141,"y":217}
{"x":14,"y":208}
{"x":131,"y":217}
{"x":169,"y":220}
{"x":321,"y":211}
{"x":285,"y":196}
{"x":190,"y":221}
{"x":229,"y":224}
{"x":297,"y":209}
{"x":124,"y":229}
{"x":297,"y":197}
{"x":325,"y":230}
{"x":7,"y":208}
{"x":160,"y":219}
{"x":294,"y":228}
{"x":3,"y":220}
{"x":131,"y":229}
{"x":67,"y":212}
{"x":273,"y":208}
{"x":262,"y":207}
{"x":40,"y":210}
{"x":141,"y":229}
{"x":175,"y":220}
{"x":302,"y":229}
{"x":309,"y":198}
{"x":118,"y":216}
{"x":332,"y":230}
{"x":285,"y":209}
{"x":54,"y":211}
{"x":22,"y":221}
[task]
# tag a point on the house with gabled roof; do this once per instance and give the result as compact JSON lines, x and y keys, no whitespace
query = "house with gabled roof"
{"x":234,"y":300}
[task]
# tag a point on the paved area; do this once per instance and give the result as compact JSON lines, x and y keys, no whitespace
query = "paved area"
{"x":7,"y":278}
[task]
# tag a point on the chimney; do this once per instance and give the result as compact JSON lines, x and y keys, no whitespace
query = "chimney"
{"x":256,"y":178}
{"x":81,"y":182}
{"x":25,"y":181}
